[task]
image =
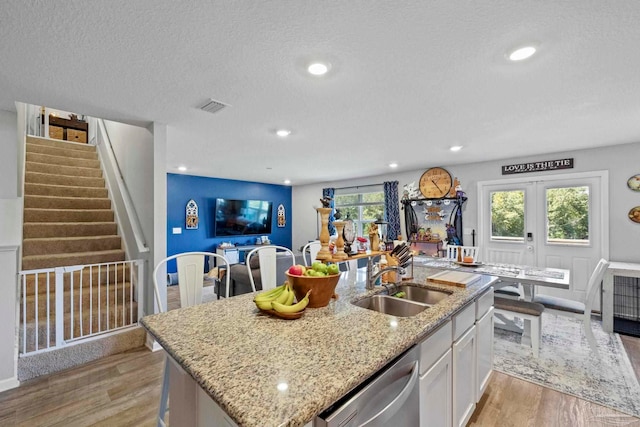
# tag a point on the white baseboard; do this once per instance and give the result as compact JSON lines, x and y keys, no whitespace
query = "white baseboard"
{"x":152,"y":344}
{"x":8,"y":384}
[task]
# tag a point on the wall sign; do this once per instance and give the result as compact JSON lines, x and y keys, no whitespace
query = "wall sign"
{"x":192,"y":215}
{"x":282,"y":219}
{"x":545,"y":165}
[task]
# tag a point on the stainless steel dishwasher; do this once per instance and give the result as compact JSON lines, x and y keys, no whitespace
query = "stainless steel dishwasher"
{"x":389,"y":398}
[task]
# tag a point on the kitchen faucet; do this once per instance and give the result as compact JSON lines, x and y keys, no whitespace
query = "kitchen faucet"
{"x":371,"y":278}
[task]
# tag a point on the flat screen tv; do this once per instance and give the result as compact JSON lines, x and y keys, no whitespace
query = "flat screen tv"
{"x":242,"y":217}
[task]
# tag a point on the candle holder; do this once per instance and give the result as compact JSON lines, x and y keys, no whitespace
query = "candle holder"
{"x":340,"y":254}
{"x":324,"y":253}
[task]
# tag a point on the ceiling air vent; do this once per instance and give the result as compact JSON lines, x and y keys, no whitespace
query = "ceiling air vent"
{"x":212,"y":106}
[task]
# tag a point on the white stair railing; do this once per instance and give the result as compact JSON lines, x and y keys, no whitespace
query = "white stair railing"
{"x":89,"y":300}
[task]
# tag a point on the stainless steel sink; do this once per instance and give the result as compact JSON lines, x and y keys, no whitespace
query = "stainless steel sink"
{"x":423,"y":295}
{"x":391,"y":305}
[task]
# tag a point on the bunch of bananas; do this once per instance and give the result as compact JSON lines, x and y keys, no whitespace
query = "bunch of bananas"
{"x":281,"y":300}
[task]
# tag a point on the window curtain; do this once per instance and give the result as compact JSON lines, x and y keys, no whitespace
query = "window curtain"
{"x":392,"y":209}
{"x":330,"y":192}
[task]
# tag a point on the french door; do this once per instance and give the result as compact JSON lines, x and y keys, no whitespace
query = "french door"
{"x":558,"y":221}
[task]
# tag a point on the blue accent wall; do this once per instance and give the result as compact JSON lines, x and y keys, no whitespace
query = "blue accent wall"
{"x":205,"y":191}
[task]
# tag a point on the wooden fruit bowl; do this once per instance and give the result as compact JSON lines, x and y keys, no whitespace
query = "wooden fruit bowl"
{"x":322,"y":288}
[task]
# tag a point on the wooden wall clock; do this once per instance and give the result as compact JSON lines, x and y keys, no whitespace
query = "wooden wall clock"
{"x":435,"y":183}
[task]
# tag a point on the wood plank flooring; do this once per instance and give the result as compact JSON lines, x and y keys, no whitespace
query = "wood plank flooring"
{"x":124,"y":390}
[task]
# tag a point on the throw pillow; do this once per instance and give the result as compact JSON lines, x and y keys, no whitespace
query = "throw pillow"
{"x":254,"y":262}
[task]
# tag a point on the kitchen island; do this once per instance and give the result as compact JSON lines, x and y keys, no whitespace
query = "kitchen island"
{"x":265,"y":371}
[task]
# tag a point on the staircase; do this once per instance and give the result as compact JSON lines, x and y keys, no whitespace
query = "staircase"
{"x":68,"y":221}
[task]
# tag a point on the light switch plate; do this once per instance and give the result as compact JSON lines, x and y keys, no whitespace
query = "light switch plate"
{"x":177,"y":230}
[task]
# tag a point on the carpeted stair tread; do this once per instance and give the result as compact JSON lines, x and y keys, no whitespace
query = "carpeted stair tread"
{"x":61,"y":152}
{"x":69,"y":145}
{"x":57,"y":245}
{"x":69,"y":229}
{"x":63,"y":170}
{"x":57,"y":260}
{"x":64,"y":190}
{"x":61,"y":160}
{"x":68,"y":215}
{"x":52,"y":202}
{"x":118,"y":316}
{"x":71,"y":181}
{"x":90,"y":275}
{"x":95,"y":292}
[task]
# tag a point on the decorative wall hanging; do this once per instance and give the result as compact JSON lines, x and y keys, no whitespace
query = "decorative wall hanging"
{"x":282,"y":219}
{"x":634,"y":214}
{"x":192,"y":215}
{"x":634,"y":182}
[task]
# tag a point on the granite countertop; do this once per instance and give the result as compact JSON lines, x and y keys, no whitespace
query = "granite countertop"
{"x":239,"y":355}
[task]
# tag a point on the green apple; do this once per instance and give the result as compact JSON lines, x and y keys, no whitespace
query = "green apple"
{"x":333,"y":269}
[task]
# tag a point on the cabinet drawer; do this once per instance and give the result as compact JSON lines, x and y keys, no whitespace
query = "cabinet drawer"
{"x":464,"y":320}
{"x":56,"y":132}
{"x":433,"y":347}
{"x":484,"y":303}
{"x":76,"y":135}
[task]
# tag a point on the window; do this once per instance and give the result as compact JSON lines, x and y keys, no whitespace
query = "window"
{"x":363,"y":208}
{"x":568,"y":215}
{"x":507,"y":215}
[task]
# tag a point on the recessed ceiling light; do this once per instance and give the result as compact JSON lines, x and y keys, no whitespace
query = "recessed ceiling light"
{"x":522,"y":53}
{"x":393,"y":165}
{"x":287,"y":181}
{"x":182,"y":168}
{"x":455,"y":148}
{"x":283,"y":132}
{"x":318,"y":69}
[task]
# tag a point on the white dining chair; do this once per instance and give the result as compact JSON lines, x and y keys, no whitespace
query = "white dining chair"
{"x":268,"y":266}
{"x":578,"y":309}
{"x":465,"y":251}
{"x":506,"y":289}
{"x":190,"y":267}
{"x":311,"y":249}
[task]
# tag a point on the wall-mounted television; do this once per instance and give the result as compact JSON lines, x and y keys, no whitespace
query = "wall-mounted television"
{"x":242,"y":217}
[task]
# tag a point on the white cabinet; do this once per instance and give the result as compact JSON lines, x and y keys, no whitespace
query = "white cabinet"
{"x":436,"y":394}
{"x":464,"y":377}
{"x":455,"y":365}
{"x":435,"y":378}
{"x":484,"y":352}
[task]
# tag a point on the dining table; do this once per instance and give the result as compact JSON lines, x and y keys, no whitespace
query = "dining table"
{"x":558,"y":278}
{"x":530,"y":277}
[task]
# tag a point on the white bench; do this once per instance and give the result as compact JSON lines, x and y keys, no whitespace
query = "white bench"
{"x":530,"y":312}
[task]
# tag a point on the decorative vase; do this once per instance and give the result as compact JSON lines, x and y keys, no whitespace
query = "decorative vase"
{"x":324,"y":253}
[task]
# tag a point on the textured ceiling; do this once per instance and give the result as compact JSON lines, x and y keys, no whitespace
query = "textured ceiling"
{"x":408,"y":78}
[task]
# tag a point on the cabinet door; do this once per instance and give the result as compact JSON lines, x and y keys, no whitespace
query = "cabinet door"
{"x":484,"y":352}
{"x":436,"y":394}
{"x":464,"y":377}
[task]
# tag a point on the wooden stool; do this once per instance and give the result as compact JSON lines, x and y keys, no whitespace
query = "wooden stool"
{"x":530,"y":312}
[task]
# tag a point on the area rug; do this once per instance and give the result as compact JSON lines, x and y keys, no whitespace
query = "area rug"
{"x":568,"y":365}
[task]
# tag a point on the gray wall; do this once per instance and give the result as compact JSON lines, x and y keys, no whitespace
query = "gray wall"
{"x":620,"y":160}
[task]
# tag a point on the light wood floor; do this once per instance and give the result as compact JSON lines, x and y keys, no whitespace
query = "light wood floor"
{"x":124,"y":390}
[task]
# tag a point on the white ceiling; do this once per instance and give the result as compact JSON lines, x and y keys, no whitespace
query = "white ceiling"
{"x":408,"y":78}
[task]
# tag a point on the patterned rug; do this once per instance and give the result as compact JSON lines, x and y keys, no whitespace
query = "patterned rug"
{"x":568,"y":365}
